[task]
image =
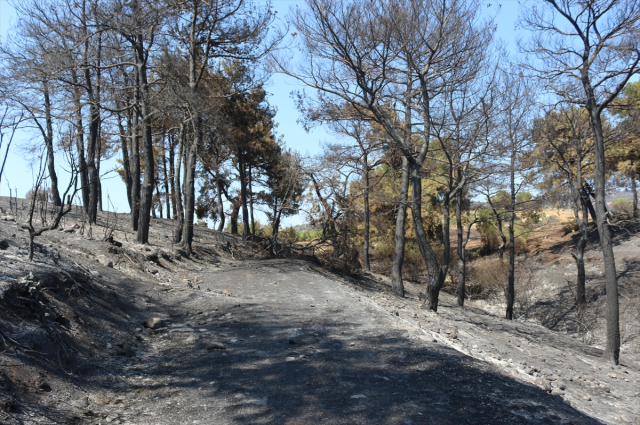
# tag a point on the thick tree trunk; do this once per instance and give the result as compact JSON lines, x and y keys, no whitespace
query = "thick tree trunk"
{"x":429,"y":256}
{"x":461,"y":251}
{"x":612,"y":348}
{"x":135,"y":169}
{"x":365,"y":246}
{"x":94,"y":126}
{"x":397,"y":285}
{"x":235,"y":212}
{"x":177,"y":236}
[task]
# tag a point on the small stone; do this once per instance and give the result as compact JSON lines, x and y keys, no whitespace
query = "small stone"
{"x":240,"y":396}
{"x":586,"y":397}
{"x":352,"y":344}
{"x":4,"y":244}
{"x":109,"y":346}
{"x":562,"y":385}
{"x":192,"y":338}
{"x":154,"y":323}
{"x":112,"y":417}
{"x":227,"y":293}
{"x":289,"y":359}
{"x":291,"y":341}
{"x":214,"y":345}
{"x":357,"y":396}
{"x":262,"y":402}
{"x":95,"y":273}
{"x":543,"y":384}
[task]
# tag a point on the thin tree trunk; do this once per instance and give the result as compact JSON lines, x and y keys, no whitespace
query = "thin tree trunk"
{"x":135,"y":168}
{"x":397,"y":285}
{"x":512,"y":245}
{"x":166,"y":178}
{"x":82,"y":162}
{"x":243,"y":194}
{"x":189,"y":189}
{"x":48,"y":140}
{"x":172,"y":176}
{"x":461,"y":251}
{"x":178,"y":201}
{"x":365,"y":246}
{"x":220,"y":189}
{"x":146,"y":198}
{"x":253,"y":222}
{"x":124,"y":147}
{"x":634,"y":192}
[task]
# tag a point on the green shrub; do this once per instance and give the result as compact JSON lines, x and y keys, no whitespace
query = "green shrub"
{"x":622,"y":205}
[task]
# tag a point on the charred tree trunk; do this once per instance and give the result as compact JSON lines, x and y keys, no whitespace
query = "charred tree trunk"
{"x":220,"y":190}
{"x":79,"y":124}
{"x":190,"y":190}
{"x":135,"y":168}
{"x":253,"y":222}
{"x":397,"y":286}
{"x":634,"y":191}
{"x":48,"y":140}
{"x":510,"y":295}
{"x":235,"y":212}
{"x":146,"y":198}
{"x":612,"y":348}
{"x":166,"y":178}
{"x":461,"y":251}
{"x":365,"y":246}
{"x":177,"y":236}
{"x":172,"y":175}
{"x":124,"y":147}
{"x":243,"y":194}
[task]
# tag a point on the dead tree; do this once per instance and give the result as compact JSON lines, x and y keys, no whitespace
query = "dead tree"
{"x":59,"y":210}
{"x":587,"y":52}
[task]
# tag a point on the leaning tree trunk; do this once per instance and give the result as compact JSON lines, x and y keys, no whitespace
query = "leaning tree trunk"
{"x":612,"y":348}
{"x":429,"y":256}
{"x":461,"y":251}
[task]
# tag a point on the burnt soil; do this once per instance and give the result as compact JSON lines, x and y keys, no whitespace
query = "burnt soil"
{"x":248,"y":339}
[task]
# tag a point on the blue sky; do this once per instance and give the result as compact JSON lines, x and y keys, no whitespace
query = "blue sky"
{"x":18,"y":171}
